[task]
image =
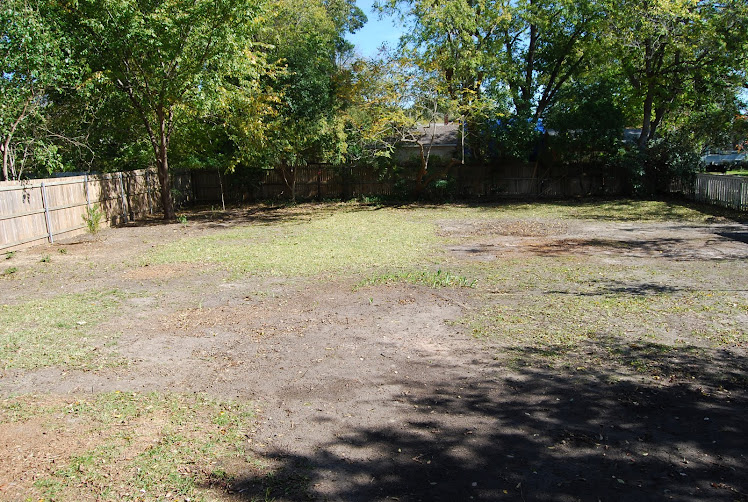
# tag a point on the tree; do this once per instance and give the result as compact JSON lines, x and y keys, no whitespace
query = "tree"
{"x":546,"y":46}
{"x":675,"y":52}
{"x":455,"y":43}
{"x":35,"y":62}
{"x":513,"y":57}
{"x":163,"y":55}
{"x":308,"y":91}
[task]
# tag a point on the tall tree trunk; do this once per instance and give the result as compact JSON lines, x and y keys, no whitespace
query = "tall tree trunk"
{"x":647,"y":121}
{"x":162,"y":163}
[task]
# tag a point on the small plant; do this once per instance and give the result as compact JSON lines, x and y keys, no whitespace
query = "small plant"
{"x":92,"y":218}
{"x":63,"y":251}
{"x":10,"y":271}
{"x":9,"y":254}
{"x":46,"y":259}
{"x":182,"y":219}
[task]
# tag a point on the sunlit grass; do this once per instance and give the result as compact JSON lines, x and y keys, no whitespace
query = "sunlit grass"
{"x":345,"y":242}
{"x":568,"y":319}
{"x":60,"y":331}
{"x":137,"y":446}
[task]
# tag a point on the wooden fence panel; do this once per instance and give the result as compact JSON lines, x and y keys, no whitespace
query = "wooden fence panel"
{"x":22,"y":218}
{"x":37,"y":210}
{"x":64,"y":200}
{"x":721,"y":190}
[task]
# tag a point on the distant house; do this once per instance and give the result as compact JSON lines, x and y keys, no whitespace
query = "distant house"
{"x":444,"y":140}
{"x":723,"y":161}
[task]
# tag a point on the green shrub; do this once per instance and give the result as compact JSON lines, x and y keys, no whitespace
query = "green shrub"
{"x":92,"y":218}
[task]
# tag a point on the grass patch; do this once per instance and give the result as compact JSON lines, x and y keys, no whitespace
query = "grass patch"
{"x":139,"y":446}
{"x":607,"y":210}
{"x":9,"y":271}
{"x":438,"y":279}
{"x":59,"y":331}
{"x":343,"y":242}
{"x":562,"y":320}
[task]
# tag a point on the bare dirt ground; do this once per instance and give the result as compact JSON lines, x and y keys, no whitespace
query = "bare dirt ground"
{"x":381,"y":393}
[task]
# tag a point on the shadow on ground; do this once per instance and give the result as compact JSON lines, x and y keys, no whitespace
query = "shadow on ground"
{"x":541,"y":434}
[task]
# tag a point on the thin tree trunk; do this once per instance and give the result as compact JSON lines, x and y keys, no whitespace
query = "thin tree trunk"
{"x":162,"y":162}
{"x":5,"y":146}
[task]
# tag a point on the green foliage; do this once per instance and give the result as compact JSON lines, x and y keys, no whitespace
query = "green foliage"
{"x":650,"y":171}
{"x":35,"y":62}
{"x":92,"y":218}
{"x":589,"y":123}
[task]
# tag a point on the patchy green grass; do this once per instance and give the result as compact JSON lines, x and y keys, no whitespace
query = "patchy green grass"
{"x":59,"y":331}
{"x":438,"y":279}
{"x":352,"y":239}
{"x":607,"y":210}
{"x":137,"y":446}
{"x":565,"y":320}
{"x":343,"y":242}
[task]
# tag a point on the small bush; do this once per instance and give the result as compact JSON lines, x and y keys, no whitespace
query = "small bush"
{"x":92,"y":218}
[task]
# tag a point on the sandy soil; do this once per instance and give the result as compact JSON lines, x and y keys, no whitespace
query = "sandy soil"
{"x":379,"y":393}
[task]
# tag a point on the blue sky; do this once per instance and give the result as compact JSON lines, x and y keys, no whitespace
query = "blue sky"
{"x":376,"y":31}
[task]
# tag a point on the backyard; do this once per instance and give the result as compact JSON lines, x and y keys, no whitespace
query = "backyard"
{"x":357,"y":351}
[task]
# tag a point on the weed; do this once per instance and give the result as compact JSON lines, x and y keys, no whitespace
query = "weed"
{"x":9,"y":254}
{"x":10,"y":271}
{"x":62,"y":251}
{"x":92,"y":218}
{"x":182,"y":219}
{"x":438,"y":279}
{"x":46,"y":259}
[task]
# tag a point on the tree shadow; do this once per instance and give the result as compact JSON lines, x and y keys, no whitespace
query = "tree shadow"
{"x":682,"y":249}
{"x":539,"y":433}
{"x":735,"y":236}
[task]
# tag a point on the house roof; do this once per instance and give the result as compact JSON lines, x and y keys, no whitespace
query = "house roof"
{"x":443,"y":135}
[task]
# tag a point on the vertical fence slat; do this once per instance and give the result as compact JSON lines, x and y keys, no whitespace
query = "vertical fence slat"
{"x":122,"y":197}
{"x":45,"y":202}
{"x":726,"y":191}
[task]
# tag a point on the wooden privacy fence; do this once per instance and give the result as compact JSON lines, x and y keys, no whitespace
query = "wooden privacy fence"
{"x":33,"y":211}
{"x":325,"y":181}
{"x":727,"y":191}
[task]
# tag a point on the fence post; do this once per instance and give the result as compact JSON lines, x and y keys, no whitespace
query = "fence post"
{"x":148,"y":192}
{"x":88,"y":197}
{"x":46,"y":213}
{"x":122,"y":197}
